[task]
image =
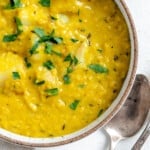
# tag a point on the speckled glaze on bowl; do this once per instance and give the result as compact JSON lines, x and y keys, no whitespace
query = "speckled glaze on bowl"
{"x":105,"y":117}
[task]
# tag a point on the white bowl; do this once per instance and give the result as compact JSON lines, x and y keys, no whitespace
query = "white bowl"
{"x":106,"y":116}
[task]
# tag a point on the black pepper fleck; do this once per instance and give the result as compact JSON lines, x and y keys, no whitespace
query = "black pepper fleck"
{"x":116,"y":58}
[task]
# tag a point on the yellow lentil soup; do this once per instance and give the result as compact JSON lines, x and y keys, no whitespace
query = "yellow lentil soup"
{"x":62,"y":63}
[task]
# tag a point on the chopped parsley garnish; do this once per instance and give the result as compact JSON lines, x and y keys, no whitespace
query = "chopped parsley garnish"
{"x":74,"y":40}
{"x":51,"y":38}
{"x":48,"y":40}
{"x":75,"y":60}
{"x":16,"y":75}
{"x":100,"y":112}
{"x":52,"y":92}
{"x":57,"y":53}
{"x":69,"y":69}
{"x":72,"y":60}
{"x":97,"y":68}
{"x":57,"y":40}
{"x":13,"y":37}
{"x":68,"y":58}
{"x":37,"y":82}
{"x":48,"y":48}
{"x":28,"y":64}
{"x":66,"y":79}
{"x":45,"y":3}
{"x":49,"y":65}
{"x":40,"y":32}
{"x":33,"y":50}
{"x":74,"y":105}
{"x":19,"y":25}
{"x":14,"y":4}
{"x":10,"y":38}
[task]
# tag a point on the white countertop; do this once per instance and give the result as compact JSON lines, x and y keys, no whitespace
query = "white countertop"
{"x":140,"y":10}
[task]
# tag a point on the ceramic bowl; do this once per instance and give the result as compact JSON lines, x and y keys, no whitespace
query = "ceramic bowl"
{"x":106,"y":116}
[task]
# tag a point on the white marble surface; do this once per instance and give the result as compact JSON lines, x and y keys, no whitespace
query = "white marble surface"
{"x":140,"y":10}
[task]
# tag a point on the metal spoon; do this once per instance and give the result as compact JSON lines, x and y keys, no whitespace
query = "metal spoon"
{"x":139,"y":143}
{"x":132,"y":115}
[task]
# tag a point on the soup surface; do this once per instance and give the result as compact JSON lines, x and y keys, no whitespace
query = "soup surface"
{"x":62,"y":63}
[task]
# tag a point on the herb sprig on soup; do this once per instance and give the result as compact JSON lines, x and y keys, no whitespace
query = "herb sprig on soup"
{"x":62,"y":63}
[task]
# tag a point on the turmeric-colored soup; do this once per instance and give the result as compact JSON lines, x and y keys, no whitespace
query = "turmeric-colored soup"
{"x":62,"y":63}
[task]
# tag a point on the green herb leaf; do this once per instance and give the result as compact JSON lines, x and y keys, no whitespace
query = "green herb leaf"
{"x":57,"y":53}
{"x":34,"y":48}
{"x":68,"y":58}
{"x":74,"y":104}
{"x":13,"y":37}
{"x":66,"y":79}
{"x":57,"y":40}
{"x":69,"y":69}
{"x":14,"y":4}
{"x":100,"y":112}
{"x":40,"y":32}
{"x":49,"y":65}
{"x":74,"y":40}
{"x":48,"y":48}
{"x":10,"y":38}
{"x":47,"y":38}
{"x":75,"y":60}
{"x":45,"y":3}
{"x":52,"y":39}
{"x":52,"y":92}
{"x":37,"y":82}
{"x":15,"y":75}
{"x":98,"y":68}
{"x":52,"y":33}
{"x":19,"y":25}
{"x":28,"y":64}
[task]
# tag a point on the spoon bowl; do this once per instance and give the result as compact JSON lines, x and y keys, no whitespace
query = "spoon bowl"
{"x":132,"y":115}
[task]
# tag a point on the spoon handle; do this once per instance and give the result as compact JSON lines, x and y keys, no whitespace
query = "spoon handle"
{"x":114,"y":138}
{"x":144,"y":135}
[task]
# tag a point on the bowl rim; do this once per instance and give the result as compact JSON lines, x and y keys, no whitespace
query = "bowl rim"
{"x":112,"y":113}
